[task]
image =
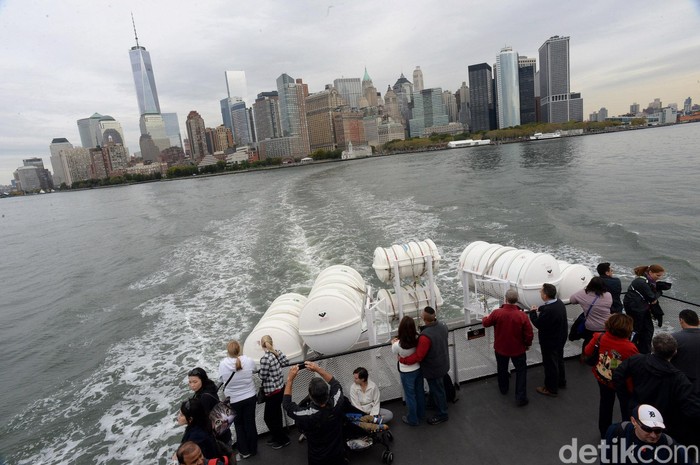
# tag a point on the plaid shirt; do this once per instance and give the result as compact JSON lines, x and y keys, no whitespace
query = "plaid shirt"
{"x":271,"y":371}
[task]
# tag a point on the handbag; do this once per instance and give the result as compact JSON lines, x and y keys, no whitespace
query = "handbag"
{"x":592,"y":360}
{"x":222,"y":414}
{"x":578,"y":328}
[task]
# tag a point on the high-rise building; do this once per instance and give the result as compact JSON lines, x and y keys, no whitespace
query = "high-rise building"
{"x":391,"y":105}
{"x":483,"y":112}
{"x":369,"y":92}
{"x":350,"y":89}
{"x":172,"y":129}
{"x":320,"y":108}
{"x":418,"y":80}
{"x":144,"y":80}
{"x":240,"y":124}
{"x":558,"y":104}
{"x":292,"y":97}
{"x":266,"y":112}
{"x":450,"y":103}
{"x":77,"y":164}
{"x":226,"y":105}
{"x":688,"y":106}
{"x":196,"y":133}
{"x":57,"y":161}
{"x":463,"y":106}
{"x":526,"y":82}
{"x":428,"y":111}
{"x":44,"y":176}
{"x":153,"y":126}
{"x":507,"y":88}
{"x":634,"y":108}
{"x":88,"y":129}
{"x":348,"y":127}
{"x":404,"y":94}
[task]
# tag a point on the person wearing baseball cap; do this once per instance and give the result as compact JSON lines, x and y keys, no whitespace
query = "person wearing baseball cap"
{"x":643,"y":438}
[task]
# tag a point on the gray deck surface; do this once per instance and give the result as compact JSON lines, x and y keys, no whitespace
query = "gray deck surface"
{"x":485,"y":427}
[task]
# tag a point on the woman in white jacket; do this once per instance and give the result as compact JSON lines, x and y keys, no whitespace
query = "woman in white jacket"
{"x":241,"y":393}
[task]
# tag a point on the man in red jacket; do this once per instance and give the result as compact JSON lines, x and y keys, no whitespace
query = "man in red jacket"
{"x":513,"y":337}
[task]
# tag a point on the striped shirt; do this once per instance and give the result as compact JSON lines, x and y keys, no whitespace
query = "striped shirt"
{"x":271,"y":371}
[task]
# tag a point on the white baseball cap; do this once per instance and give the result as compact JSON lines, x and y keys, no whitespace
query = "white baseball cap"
{"x":649,"y":416}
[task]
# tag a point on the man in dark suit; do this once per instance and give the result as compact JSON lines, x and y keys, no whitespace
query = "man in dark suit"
{"x":553,"y":329}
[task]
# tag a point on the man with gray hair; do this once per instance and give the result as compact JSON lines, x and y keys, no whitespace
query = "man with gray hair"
{"x":654,"y":380}
{"x":512,"y":338}
{"x":687,"y":359}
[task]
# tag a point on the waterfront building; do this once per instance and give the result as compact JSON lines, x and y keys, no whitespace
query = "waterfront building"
{"x":196,"y":133}
{"x":428,"y":111}
{"x":655,"y":105}
{"x":634,"y":109}
{"x":266,"y":113}
{"x":418,"y":80}
{"x":389,"y":130}
{"x":369,"y":92}
{"x":292,"y":102}
{"x":58,"y":162}
{"x":280,"y":147}
{"x":348,"y":126}
{"x":688,"y":106}
{"x":450,"y":103}
{"x":404,"y":94}
{"x":463,"y":106}
{"x":33,"y":176}
{"x":320,"y":108}
{"x":558,"y":104}
{"x":350,"y":89}
{"x":77,"y":164}
{"x":483,"y":112}
{"x":507,"y":88}
{"x":172,"y":129}
{"x":240,"y":123}
{"x":88,"y":130}
{"x":526,"y":82}
{"x":391,"y":105}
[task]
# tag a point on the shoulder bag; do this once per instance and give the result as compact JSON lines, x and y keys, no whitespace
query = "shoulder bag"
{"x":579,"y":326}
{"x":221,"y":416}
{"x":592,"y":360}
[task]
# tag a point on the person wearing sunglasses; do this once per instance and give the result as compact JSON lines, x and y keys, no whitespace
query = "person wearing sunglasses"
{"x":643,"y":439}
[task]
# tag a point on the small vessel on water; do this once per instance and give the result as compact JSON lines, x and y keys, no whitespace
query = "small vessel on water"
{"x":457,"y":144}
{"x":545,"y":135}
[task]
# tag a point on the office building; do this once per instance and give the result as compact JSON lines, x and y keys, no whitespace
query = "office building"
{"x":507,"y":88}
{"x":144,"y":80}
{"x":88,"y":129}
{"x":558,"y":104}
{"x":172,"y":129}
{"x":42,"y":174}
{"x":450,"y":103}
{"x":483,"y":112}
{"x":369,"y":92}
{"x":526,"y":82}
{"x":418,"y":80}
{"x":240,"y":124}
{"x":152,"y":125}
{"x":634,"y":109}
{"x":348,"y":127}
{"x":350,"y":89}
{"x":196,"y":133}
{"x":428,"y":111}
{"x":57,"y":161}
{"x":404,"y":95}
{"x":236,"y":84}
{"x":463,"y":106}
{"x":266,"y":113}
{"x":292,"y":102}
{"x":320,"y":108}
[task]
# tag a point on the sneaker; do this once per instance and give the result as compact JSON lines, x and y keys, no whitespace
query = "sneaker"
{"x":240,"y":456}
{"x":302,"y":437}
{"x":545,"y":392}
{"x":279,"y":445}
{"x":405,"y":420}
{"x":436,"y":420}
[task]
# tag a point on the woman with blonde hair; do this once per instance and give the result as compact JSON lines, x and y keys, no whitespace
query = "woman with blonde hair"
{"x":639,"y":298}
{"x":241,"y":393}
{"x":270,"y":373}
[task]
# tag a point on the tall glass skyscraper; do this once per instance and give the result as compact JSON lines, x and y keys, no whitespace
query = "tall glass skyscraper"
{"x":507,"y":88}
{"x":145,"y":82}
{"x":558,"y":103}
{"x":483,"y":112}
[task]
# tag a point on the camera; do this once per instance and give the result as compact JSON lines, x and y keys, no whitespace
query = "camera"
{"x":301,"y":365}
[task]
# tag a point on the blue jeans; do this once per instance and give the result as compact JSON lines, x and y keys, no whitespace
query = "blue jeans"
{"x":437,"y":392}
{"x":412,"y":383}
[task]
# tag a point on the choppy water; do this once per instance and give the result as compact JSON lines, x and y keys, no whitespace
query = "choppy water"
{"x":110,"y":296}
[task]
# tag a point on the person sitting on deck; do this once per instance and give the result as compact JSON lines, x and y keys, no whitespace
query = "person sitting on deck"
{"x":364,"y":396}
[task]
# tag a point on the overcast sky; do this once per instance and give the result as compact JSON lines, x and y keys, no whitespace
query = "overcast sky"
{"x":65,"y":60}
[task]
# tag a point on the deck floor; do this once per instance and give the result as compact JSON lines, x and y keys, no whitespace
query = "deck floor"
{"x":485,"y":427}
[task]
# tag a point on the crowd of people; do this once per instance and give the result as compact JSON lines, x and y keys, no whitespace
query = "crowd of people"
{"x":656,"y":378}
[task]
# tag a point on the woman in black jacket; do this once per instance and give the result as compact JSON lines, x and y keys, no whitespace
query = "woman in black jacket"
{"x":198,"y":428}
{"x":206,"y":391}
{"x":640,"y":296}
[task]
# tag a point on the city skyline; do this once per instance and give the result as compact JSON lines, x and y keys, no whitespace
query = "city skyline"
{"x":78,"y":55}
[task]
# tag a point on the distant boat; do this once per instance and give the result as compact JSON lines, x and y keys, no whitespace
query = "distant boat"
{"x":546,"y":135}
{"x":456,"y":144}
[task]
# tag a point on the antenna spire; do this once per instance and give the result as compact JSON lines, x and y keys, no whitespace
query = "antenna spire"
{"x":134,"y":24}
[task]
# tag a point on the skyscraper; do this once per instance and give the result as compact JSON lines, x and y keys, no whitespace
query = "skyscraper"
{"x":464,"y":106}
{"x":428,"y":111}
{"x":483,"y":113}
{"x":144,"y":80}
{"x":292,"y":98}
{"x":236,"y":84}
{"x":404,"y":93}
{"x":526,"y":82}
{"x":350,"y":89}
{"x":88,"y":130}
{"x":450,"y":103}
{"x":558,"y":103}
{"x":507,"y":88}
{"x":172,"y":129}
{"x":266,"y":111}
{"x":58,"y":162}
{"x":418,"y":80}
{"x":196,"y":134}
{"x":319,"y":116}
{"x":369,"y":92}
{"x":239,"y":122}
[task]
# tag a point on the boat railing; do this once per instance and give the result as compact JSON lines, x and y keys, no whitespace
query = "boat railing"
{"x":471,"y":356}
